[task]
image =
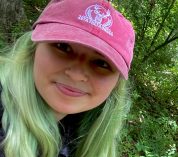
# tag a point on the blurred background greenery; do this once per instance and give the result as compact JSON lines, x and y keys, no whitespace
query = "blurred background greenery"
{"x":151,"y":128}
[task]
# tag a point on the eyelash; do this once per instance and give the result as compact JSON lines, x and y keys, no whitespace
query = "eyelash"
{"x":101,"y":64}
{"x":64,"y":47}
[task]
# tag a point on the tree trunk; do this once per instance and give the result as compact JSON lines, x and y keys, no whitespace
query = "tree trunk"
{"x":12,"y":13}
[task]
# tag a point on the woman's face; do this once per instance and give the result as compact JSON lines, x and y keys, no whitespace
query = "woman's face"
{"x":72,"y":78}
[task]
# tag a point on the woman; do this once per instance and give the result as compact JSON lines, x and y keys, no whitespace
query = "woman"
{"x":64,"y":83}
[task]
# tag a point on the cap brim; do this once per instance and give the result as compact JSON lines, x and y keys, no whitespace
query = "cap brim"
{"x":50,"y":32}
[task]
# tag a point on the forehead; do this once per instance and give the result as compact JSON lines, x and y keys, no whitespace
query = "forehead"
{"x":83,"y":48}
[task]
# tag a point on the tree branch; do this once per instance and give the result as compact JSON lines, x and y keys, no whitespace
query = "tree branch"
{"x":159,"y":47}
{"x":176,"y":89}
{"x":158,"y":31}
{"x":146,"y":20}
{"x":171,"y":32}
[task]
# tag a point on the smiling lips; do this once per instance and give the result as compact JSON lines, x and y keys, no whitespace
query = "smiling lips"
{"x":70,"y":91}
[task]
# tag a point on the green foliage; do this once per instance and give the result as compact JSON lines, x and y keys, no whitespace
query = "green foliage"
{"x":152,"y":127}
{"x":32,"y":11}
{"x":149,"y":136}
{"x":33,"y":8}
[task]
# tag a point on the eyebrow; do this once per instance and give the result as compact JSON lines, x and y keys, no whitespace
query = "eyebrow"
{"x":95,"y":51}
{"x":99,"y":53}
{"x":104,"y":57}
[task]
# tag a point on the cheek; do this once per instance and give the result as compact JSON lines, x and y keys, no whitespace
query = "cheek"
{"x":39,"y":66}
{"x":103,"y":88}
{"x":43,"y":68}
{"x":42,"y":60}
{"x":106,"y":83}
{"x":45,"y":63}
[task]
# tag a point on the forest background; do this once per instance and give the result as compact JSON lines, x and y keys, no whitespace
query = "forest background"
{"x":151,"y":128}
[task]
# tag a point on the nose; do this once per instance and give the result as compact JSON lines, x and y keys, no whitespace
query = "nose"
{"x":77,"y":73}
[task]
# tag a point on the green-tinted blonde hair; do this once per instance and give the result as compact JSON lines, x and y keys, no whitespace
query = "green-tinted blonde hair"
{"x":29,"y":123}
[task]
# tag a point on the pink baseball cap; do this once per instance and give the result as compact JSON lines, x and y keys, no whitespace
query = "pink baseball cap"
{"x":93,"y":23}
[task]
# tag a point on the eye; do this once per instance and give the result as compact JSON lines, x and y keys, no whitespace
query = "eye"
{"x":64,"y":47}
{"x":99,"y":63}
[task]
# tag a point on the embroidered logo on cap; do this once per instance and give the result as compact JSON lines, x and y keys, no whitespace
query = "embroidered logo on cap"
{"x":99,"y":17}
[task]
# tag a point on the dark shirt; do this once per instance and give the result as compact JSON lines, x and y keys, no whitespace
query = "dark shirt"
{"x":69,"y":124}
{"x":1,"y":130}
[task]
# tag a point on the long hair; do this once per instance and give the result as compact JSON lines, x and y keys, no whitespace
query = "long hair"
{"x":102,"y":139}
{"x":29,"y":123}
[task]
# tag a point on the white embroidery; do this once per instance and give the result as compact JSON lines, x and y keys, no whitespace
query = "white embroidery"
{"x":99,"y":17}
